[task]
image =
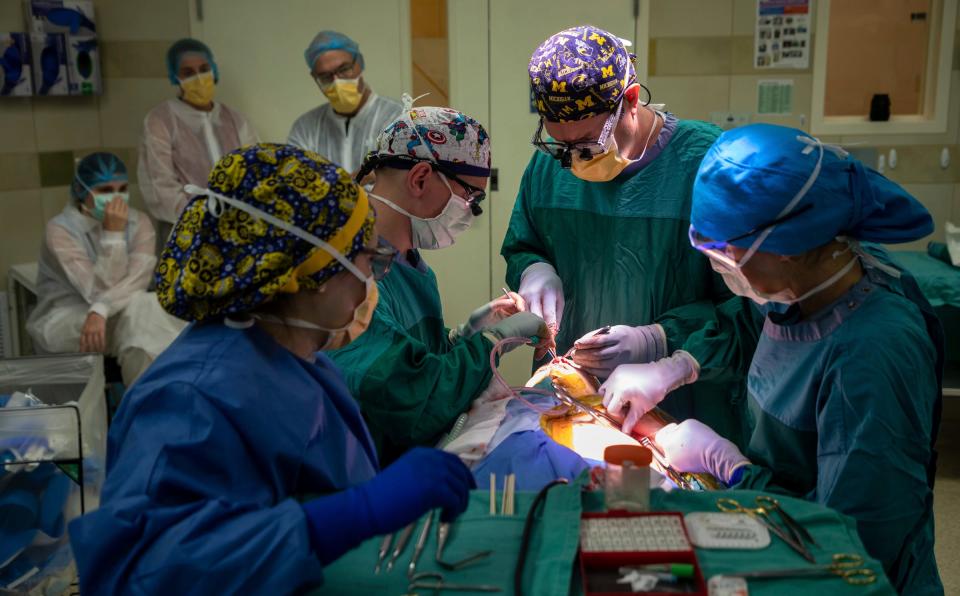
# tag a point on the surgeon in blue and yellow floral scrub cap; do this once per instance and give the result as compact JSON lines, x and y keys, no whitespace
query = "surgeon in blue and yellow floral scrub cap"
{"x":212,"y":446}
{"x":223,"y":260}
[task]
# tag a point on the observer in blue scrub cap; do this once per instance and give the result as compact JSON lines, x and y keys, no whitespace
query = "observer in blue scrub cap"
{"x":346,"y":127}
{"x":844,"y":388}
{"x":184,"y":136}
{"x":95,"y":266}
{"x":272,"y":262}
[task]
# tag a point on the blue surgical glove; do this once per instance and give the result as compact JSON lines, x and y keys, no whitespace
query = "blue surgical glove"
{"x":642,"y":386}
{"x":420,"y":481}
{"x":692,"y":446}
{"x":599,"y":354}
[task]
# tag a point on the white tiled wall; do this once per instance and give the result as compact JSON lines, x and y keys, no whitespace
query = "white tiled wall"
{"x":16,"y":126}
{"x":66,"y":123}
{"x":690,"y":18}
{"x":692,"y":97}
{"x":138,"y":32}
{"x":122,"y":111}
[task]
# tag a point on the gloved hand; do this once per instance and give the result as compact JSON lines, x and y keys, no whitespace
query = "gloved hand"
{"x":643,"y":386}
{"x":421,"y":480}
{"x":599,"y":354}
{"x":541,"y":287}
{"x":523,"y":324}
{"x":488,"y":314}
{"x":692,"y":446}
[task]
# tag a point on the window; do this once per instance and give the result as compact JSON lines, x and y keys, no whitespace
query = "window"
{"x":901,"y":49}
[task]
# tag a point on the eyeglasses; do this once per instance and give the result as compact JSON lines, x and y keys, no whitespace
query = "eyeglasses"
{"x":475,"y":195}
{"x":585,"y":151}
{"x":719,"y":250}
{"x":325,"y":79}
{"x":381,"y":260}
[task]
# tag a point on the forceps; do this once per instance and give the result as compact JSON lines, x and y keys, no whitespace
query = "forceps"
{"x":847,"y":566}
{"x":763,"y":516}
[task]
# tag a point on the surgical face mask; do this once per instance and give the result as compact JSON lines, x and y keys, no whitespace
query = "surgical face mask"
{"x":199,"y":89}
{"x":101,"y":200}
{"x":344,"y":95}
{"x":440,"y":231}
{"x":609,"y":164}
{"x":739,"y":285}
{"x":340,"y":336}
{"x":362,"y":313}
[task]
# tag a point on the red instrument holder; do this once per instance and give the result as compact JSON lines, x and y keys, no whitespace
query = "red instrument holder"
{"x":595,"y":561}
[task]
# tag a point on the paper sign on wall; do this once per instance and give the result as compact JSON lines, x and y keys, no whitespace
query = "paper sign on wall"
{"x":782,"y":38}
{"x":775,"y":97}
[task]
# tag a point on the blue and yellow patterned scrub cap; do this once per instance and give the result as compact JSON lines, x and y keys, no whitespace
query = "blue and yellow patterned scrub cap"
{"x":221,"y":260}
{"x":579,"y":73}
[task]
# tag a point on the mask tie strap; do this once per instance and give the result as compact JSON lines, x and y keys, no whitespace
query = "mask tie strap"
{"x":215,"y":203}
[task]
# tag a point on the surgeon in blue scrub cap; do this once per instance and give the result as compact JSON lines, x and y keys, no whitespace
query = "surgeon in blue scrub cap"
{"x":844,"y":386}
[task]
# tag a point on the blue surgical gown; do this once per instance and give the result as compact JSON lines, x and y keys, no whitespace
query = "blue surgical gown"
{"x":844,"y":408}
{"x":206,"y":457}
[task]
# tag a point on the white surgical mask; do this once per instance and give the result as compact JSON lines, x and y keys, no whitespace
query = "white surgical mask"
{"x":362,"y":313}
{"x":739,"y":285}
{"x":440,"y":231}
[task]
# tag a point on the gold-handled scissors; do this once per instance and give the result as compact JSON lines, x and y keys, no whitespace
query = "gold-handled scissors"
{"x":847,"y":566}
{"x":763,"y":516}
{"x":799,"y":532}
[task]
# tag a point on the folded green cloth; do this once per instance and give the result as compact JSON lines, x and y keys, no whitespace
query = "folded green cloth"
{"x":550,"y":560}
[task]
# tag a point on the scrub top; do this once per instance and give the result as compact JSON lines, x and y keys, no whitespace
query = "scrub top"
{"x":411,"y":381}
{"x":844,"y":407}
{"x":206,"y":458}
{"x":622,"y":251}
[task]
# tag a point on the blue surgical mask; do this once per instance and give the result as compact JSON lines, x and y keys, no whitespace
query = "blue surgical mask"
{"x":102,"y":199}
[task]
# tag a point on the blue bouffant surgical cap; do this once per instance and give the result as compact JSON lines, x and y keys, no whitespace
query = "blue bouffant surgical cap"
{"x":95,"y":169}
{"x":331,"y":40}
{"x":188,"y":46}
{"x":750,"y":175}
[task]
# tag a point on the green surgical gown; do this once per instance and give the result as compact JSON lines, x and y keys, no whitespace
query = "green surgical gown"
{"x":411,"y":381}
{"x":622,"y":250}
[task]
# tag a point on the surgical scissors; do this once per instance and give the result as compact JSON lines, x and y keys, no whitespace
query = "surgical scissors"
{"x":799,"y":532}
{"x":847,"y":566}
{"x":763,"y":516}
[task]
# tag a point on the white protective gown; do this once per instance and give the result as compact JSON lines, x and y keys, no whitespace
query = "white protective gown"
{"x":84,"y":269}
{"x":345,"y":141}
{"x":180,"y":145}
